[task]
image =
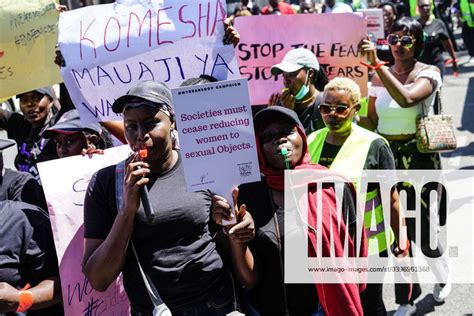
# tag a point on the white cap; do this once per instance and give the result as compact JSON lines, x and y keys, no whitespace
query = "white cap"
{"x":296,"y":59}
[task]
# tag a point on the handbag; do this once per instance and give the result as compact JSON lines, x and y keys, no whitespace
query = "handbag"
{"x":434,"y":133}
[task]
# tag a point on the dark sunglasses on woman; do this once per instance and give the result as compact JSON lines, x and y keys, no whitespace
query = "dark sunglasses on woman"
{"x":406,"y":41}
{"x":326,"y":108}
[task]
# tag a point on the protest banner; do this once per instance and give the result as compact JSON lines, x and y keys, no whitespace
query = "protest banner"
{"x":27,"y":44}
{"x":265,"y":40}
{"x":216,"y":136}
{"x":111,"y":47}
{"x":375,"y":26}
{"x":64,"y":187}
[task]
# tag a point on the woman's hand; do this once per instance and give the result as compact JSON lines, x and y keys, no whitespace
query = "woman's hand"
{"x":91,"y":150}
{"x":8,"y":298}
{"x":221,"y":210}
{"x":135,"y":179}
{"x":455,"y":68}
{"x":285,"y":98}
{"x":231,"y":36}
{"x":244,"y":230}
{"x":275,"y":99}
{"x":366,"y":47}
{"x":61,"y":8}
{"x":59,"y":59}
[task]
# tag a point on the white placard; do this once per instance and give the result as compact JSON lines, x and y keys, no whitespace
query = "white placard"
{"x":109,"y":48}
{"x":216,"y":135}
{"x":375,"y":25}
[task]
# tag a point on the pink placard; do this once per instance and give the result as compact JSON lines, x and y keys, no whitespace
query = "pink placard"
{"x":265,"y":40}
{"x":65,"y":182}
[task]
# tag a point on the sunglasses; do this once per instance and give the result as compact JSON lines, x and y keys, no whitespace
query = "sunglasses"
{"x":326,"y":108}
{"x":406,"y":41}
{"x":424,"y":6}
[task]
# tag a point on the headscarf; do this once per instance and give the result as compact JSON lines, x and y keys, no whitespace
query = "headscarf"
{"x":336,"y":299}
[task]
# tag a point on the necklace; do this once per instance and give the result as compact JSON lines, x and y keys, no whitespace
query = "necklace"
{"x":402,"y":72}
{"x":307,"y":100}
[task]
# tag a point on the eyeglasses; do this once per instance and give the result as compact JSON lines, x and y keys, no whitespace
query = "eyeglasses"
{"x":326,"y":108}
{"x":406,"y":41}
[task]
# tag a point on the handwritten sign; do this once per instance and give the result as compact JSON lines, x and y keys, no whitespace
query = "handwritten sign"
{"x":375,"y":26}
{"x":65,"y":189}
{"x":29,"y":32}
{"x":216,"y":135}
{"x":265,"y":40}
{"x":109,"y":48}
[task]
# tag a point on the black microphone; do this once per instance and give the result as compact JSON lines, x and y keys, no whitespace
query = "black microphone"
{"x":146,"y":203}
{"x":149,"y":213}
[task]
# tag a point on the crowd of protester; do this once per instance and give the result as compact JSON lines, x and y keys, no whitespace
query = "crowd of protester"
{"x":313,"y":119}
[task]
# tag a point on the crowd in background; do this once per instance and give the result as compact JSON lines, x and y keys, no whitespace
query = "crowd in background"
{"x":314,"y":120}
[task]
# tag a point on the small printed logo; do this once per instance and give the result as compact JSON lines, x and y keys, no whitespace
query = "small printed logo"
{"x":245,"y":169}
{"x":203,"y":180}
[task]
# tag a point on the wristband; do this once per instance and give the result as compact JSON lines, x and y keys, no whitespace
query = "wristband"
{"x":25,"y":301}
{"x":400,"y":251}
{"x":376,"y":67}
{"x":451,"y":61}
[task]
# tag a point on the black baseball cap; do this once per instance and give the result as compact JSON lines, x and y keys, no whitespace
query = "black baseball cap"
{"x":70,"y":123}
{"x":265,"y":116}
{"x":156,"y":92}
{"x":6,"y":143}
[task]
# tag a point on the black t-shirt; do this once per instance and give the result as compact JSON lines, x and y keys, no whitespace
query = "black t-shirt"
{"x":27,"y":253}
{"x":434,"y":33}
{"x":311,"y":118}
{"x":176,"y":249}
{"x":22,"y":187}
{"x":379,"y":157}
{"x":268,"y":295}
{"x":32,"y":148}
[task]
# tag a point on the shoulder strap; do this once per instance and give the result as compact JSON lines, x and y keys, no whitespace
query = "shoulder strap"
{"x":439,"y":108}
{"x":160,"y":307}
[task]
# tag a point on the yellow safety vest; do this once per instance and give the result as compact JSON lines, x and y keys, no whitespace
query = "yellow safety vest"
{"x":467,"y":12}
{"x":350,"y":161}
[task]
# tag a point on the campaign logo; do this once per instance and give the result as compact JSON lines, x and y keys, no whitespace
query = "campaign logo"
{"x":245,"y":169}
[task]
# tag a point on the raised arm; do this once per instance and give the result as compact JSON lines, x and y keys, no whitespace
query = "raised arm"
{"x":405,"y":96}
{"x":239,"y":235}
{"x":115,"y":128}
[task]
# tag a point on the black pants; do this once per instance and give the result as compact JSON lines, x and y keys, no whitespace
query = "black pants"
{"x":408,"y":157}
{"x":372,"y":300}
{"x":468,"y":38}
{"x":406,"y":293}
{"x":372,"y":297}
